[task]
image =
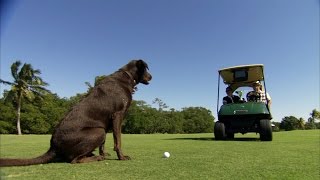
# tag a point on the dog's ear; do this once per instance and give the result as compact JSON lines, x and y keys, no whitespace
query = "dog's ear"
{"x":142,"y":65}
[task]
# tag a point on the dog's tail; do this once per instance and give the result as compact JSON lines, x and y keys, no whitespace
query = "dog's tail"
{"x":47,"y":157}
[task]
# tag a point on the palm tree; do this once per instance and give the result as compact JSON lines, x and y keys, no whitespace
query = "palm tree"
{"x":315,"y":114}
{"x":27,"y":84}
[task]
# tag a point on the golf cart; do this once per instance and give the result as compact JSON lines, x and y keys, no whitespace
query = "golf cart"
{"x":243,"y":116}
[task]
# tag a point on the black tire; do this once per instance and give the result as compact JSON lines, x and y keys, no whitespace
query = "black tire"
{"x":219,"y":131}
{"x":265,"y":130}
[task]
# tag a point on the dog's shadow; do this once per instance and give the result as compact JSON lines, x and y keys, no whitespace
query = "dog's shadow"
{"x":249,"y":139}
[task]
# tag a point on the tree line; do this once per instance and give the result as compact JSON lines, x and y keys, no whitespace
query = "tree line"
{"x":41,"y":115}
{"x":29,"y":108}
{"x":289,"y":123}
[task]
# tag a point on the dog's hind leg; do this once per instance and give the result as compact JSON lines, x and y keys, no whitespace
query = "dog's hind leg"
{"x":101,"y":149}
{"x":91,"y":139}
{"x":102,"y":152}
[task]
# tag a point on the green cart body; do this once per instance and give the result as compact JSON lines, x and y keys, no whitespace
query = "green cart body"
{"x":243,"y":117}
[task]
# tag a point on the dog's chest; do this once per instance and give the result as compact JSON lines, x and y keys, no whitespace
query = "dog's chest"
{"x":125,"y":101}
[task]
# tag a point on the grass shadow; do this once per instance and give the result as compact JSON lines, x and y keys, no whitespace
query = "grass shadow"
{"x":249,"y":139}
{"x":244,"y":139}
{"x":196,"y":139}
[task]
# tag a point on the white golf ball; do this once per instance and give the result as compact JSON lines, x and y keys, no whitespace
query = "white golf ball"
{"x":166,"y":154}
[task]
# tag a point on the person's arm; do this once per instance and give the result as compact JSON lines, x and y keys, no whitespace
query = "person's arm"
{"x":249,"y":96}
{"x":236,"y":99}
{"x":269,"y":99}
{"x":224,"y":101}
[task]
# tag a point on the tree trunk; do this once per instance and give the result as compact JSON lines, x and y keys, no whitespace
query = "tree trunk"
{"x":18,"y":115}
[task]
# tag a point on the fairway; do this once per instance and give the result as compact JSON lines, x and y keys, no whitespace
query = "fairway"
{"x":291,"y":155}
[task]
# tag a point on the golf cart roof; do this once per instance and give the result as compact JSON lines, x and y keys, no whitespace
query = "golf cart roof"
{"x":243,"y":75}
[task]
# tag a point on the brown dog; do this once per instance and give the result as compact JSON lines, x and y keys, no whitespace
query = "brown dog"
{"x":84,"y":128}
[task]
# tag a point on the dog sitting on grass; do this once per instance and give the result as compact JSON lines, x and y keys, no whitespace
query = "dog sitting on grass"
{"x":84,"y":128}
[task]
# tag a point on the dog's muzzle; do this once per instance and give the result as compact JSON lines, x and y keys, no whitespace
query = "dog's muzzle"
{"x":146,"y":78}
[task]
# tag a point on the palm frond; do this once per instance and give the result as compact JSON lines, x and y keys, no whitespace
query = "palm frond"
{"x":38,"y":81}
{"x":40,"y":92}
{"x":39,"y":88}
{"x":14,"y":69}
{"x":6,"y":82}
{"x":36,"y":71}
{"x":23,"y":84}
{"x":26,"y":72}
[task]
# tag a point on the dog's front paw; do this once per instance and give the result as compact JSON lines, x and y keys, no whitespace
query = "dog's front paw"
{"x":124,"y":158}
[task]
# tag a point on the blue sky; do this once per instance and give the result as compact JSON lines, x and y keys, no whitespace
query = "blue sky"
{"x":185,"y":43}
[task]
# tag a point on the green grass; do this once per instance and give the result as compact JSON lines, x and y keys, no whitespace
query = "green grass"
{"x":291,"y":155}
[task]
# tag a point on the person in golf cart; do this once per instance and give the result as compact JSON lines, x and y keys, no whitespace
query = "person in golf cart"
{"x":230,"y":98}
{"x":258,"y":94}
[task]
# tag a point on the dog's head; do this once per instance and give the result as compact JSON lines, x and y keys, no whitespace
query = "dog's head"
{"x":138,"y":69}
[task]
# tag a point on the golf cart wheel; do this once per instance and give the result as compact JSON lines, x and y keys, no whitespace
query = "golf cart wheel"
{"x":219,"y":131}
{"x":265,"y":130}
